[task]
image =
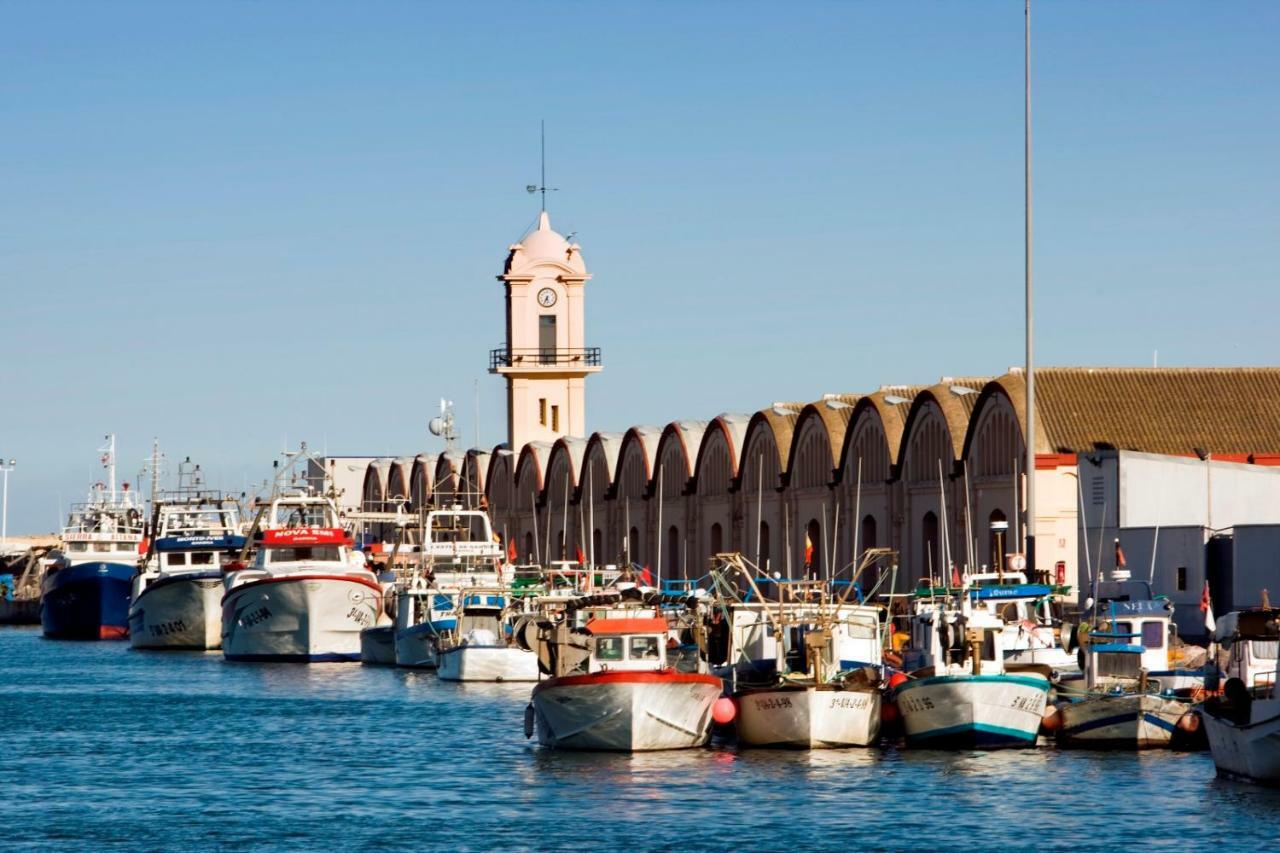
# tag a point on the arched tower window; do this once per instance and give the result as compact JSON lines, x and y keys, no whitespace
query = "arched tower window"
{"x":929,"y":544}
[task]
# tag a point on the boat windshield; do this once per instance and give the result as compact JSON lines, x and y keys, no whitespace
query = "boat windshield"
{"x":1264,"y":649}
{"x":1152,"y":633}
{"x":319,"y":553}
{"x":307,"y":515}
{"x":608,"y":648}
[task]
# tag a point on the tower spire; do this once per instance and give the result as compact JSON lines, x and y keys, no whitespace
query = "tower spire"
{"x":541,"y":187}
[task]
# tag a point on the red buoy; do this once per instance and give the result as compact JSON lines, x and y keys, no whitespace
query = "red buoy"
{"x":1052,"y":719}
{"x":1189,"y":722}
{"x":896,"y":679}
{"x":723,"y":711}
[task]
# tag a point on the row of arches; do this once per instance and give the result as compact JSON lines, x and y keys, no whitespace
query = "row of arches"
{"x":800,"y":489}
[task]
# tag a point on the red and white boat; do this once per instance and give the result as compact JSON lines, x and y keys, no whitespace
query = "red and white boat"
{"x":622,"y":695}
{"x":306,"y":597}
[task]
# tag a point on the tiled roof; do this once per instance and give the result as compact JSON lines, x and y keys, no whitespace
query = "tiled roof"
{"x":1155,"y":410}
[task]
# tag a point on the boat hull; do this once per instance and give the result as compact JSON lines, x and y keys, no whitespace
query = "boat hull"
{"x":475,"y":662}
{"x":416,"y":647}
{"x":178,"y":612}
{"x":378,"y":645}
{"x":1121,"y":721}
{"x":304,"y":619}
{"x":972,"y":711}
{"x":625,"y":711}
{"x":20,"y":611}
{"x":89,"y":601}
{"x":808,"y":717}
{"x":1246,"y":751}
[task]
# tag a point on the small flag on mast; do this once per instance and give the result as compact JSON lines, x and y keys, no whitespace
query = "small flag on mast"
{"x":1206,"y":607}
{"x":808,"y":550}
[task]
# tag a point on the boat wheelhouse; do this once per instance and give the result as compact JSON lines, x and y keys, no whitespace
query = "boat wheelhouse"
{"x":480,"y":646}
{"x":307,"y":595}
{"x":177,"y":594}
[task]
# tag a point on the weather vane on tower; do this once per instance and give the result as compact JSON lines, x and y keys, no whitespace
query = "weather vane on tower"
{"x":542,"y":186}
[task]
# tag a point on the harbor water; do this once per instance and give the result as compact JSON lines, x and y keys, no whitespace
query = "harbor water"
{"x":109,"y":748}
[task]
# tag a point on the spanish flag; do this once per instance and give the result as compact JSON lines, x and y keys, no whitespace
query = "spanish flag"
{"x":808,"y":549}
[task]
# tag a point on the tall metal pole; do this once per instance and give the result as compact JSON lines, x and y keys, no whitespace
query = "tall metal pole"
{"x":4,"y":513}
{"x":1031,"y":376}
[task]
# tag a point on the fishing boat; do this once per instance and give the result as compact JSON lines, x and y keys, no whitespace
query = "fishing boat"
{"x":1032,"y":632}
{"x":307,"y":596}
{"x":1127,"y":695}
{"x":480,"y":645}
{"x":85,"y":591}
{"x":177,"y":593}
{"x":614,"y":685}
{"x":959,"y":691}
{"x":822,"y":687}
{"x":459,"y":550}
{"x":1243,"y":725}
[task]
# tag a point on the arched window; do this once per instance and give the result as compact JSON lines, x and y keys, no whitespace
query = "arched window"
{"x":528,"y":547}
{"x":998,"y":529}
{"x":633,"y":546}
{"x":764,"y":546}
{"x":867,"y":540}
{"x":673,"y":552}
{"x":597,"y":547}
{"x":813,"y":547}
{"x":564,"y":545}
{"x":717,"y":538}
{"x":929,"y":544}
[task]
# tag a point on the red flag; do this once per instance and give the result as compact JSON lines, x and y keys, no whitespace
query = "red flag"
{"x":1206,"y":607}
{"x":512,"y":553}
{"x":577,"y":550}
{"x":955,"y":577}
{"x":646,"y":577}
{"x":808,"y":549}
{"x":1120,"y":561}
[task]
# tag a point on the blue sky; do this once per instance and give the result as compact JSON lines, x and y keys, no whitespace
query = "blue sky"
{"x":228,"y":224}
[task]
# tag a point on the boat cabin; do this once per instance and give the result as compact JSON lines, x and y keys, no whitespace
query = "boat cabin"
{"x":1251,"y":639}
{"x":635,"y":643}
{"x":1129,"y":637}
{"x":946,"y":639}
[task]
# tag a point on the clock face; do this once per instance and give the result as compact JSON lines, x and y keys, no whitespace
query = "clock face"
{"x":546,"y":297}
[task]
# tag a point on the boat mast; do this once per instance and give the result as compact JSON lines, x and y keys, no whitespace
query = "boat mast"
{"x":1031,"y":377}
{"x":111,"y":465}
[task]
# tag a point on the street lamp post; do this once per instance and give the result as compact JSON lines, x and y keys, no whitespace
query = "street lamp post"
{"x":6,"y":467}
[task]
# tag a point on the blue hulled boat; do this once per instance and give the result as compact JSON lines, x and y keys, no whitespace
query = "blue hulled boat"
{"x":85,"y":592}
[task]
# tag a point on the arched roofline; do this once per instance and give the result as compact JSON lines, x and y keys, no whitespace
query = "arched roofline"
{"x":569,"y":447}
{"x":771,"y":420}
{"x":532,"y":450}
{"x":1011,"y":387}
{"x":719,"y":425}
{"x":599,"y":443}
{"x":825,"y":415}
{"x":499,"y":452}
{"x":892,"y":423}
{"x":675,"y":431}
{"x":641,"y":436}
{"x":953,"y":415}
{"x":377,"y":468}
{"x":473,"y":460}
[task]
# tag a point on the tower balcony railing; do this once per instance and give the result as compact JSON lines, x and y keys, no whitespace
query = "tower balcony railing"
{"x":508,"y":357}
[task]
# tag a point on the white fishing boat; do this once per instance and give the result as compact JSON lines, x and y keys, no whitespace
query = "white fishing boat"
{"x":1032,"y":632}
{"x":1243,"y":725}
{"x":480,"y":646}
{"x":177,"y":594}
{"x":959,"y":692}
{"x":1127,"y":696}
{"x":613,"y":687}
{"x":307,"y":596}
{"x":458,"y":551}
{"x":822,"y":689}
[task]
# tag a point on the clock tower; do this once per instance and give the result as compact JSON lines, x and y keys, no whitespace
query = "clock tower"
{"x":545,"y":359}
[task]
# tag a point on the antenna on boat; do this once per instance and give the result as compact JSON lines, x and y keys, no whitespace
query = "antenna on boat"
{"x":109,"y":462}
{"x":542,"y":187}
{"x":442,"y":425}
